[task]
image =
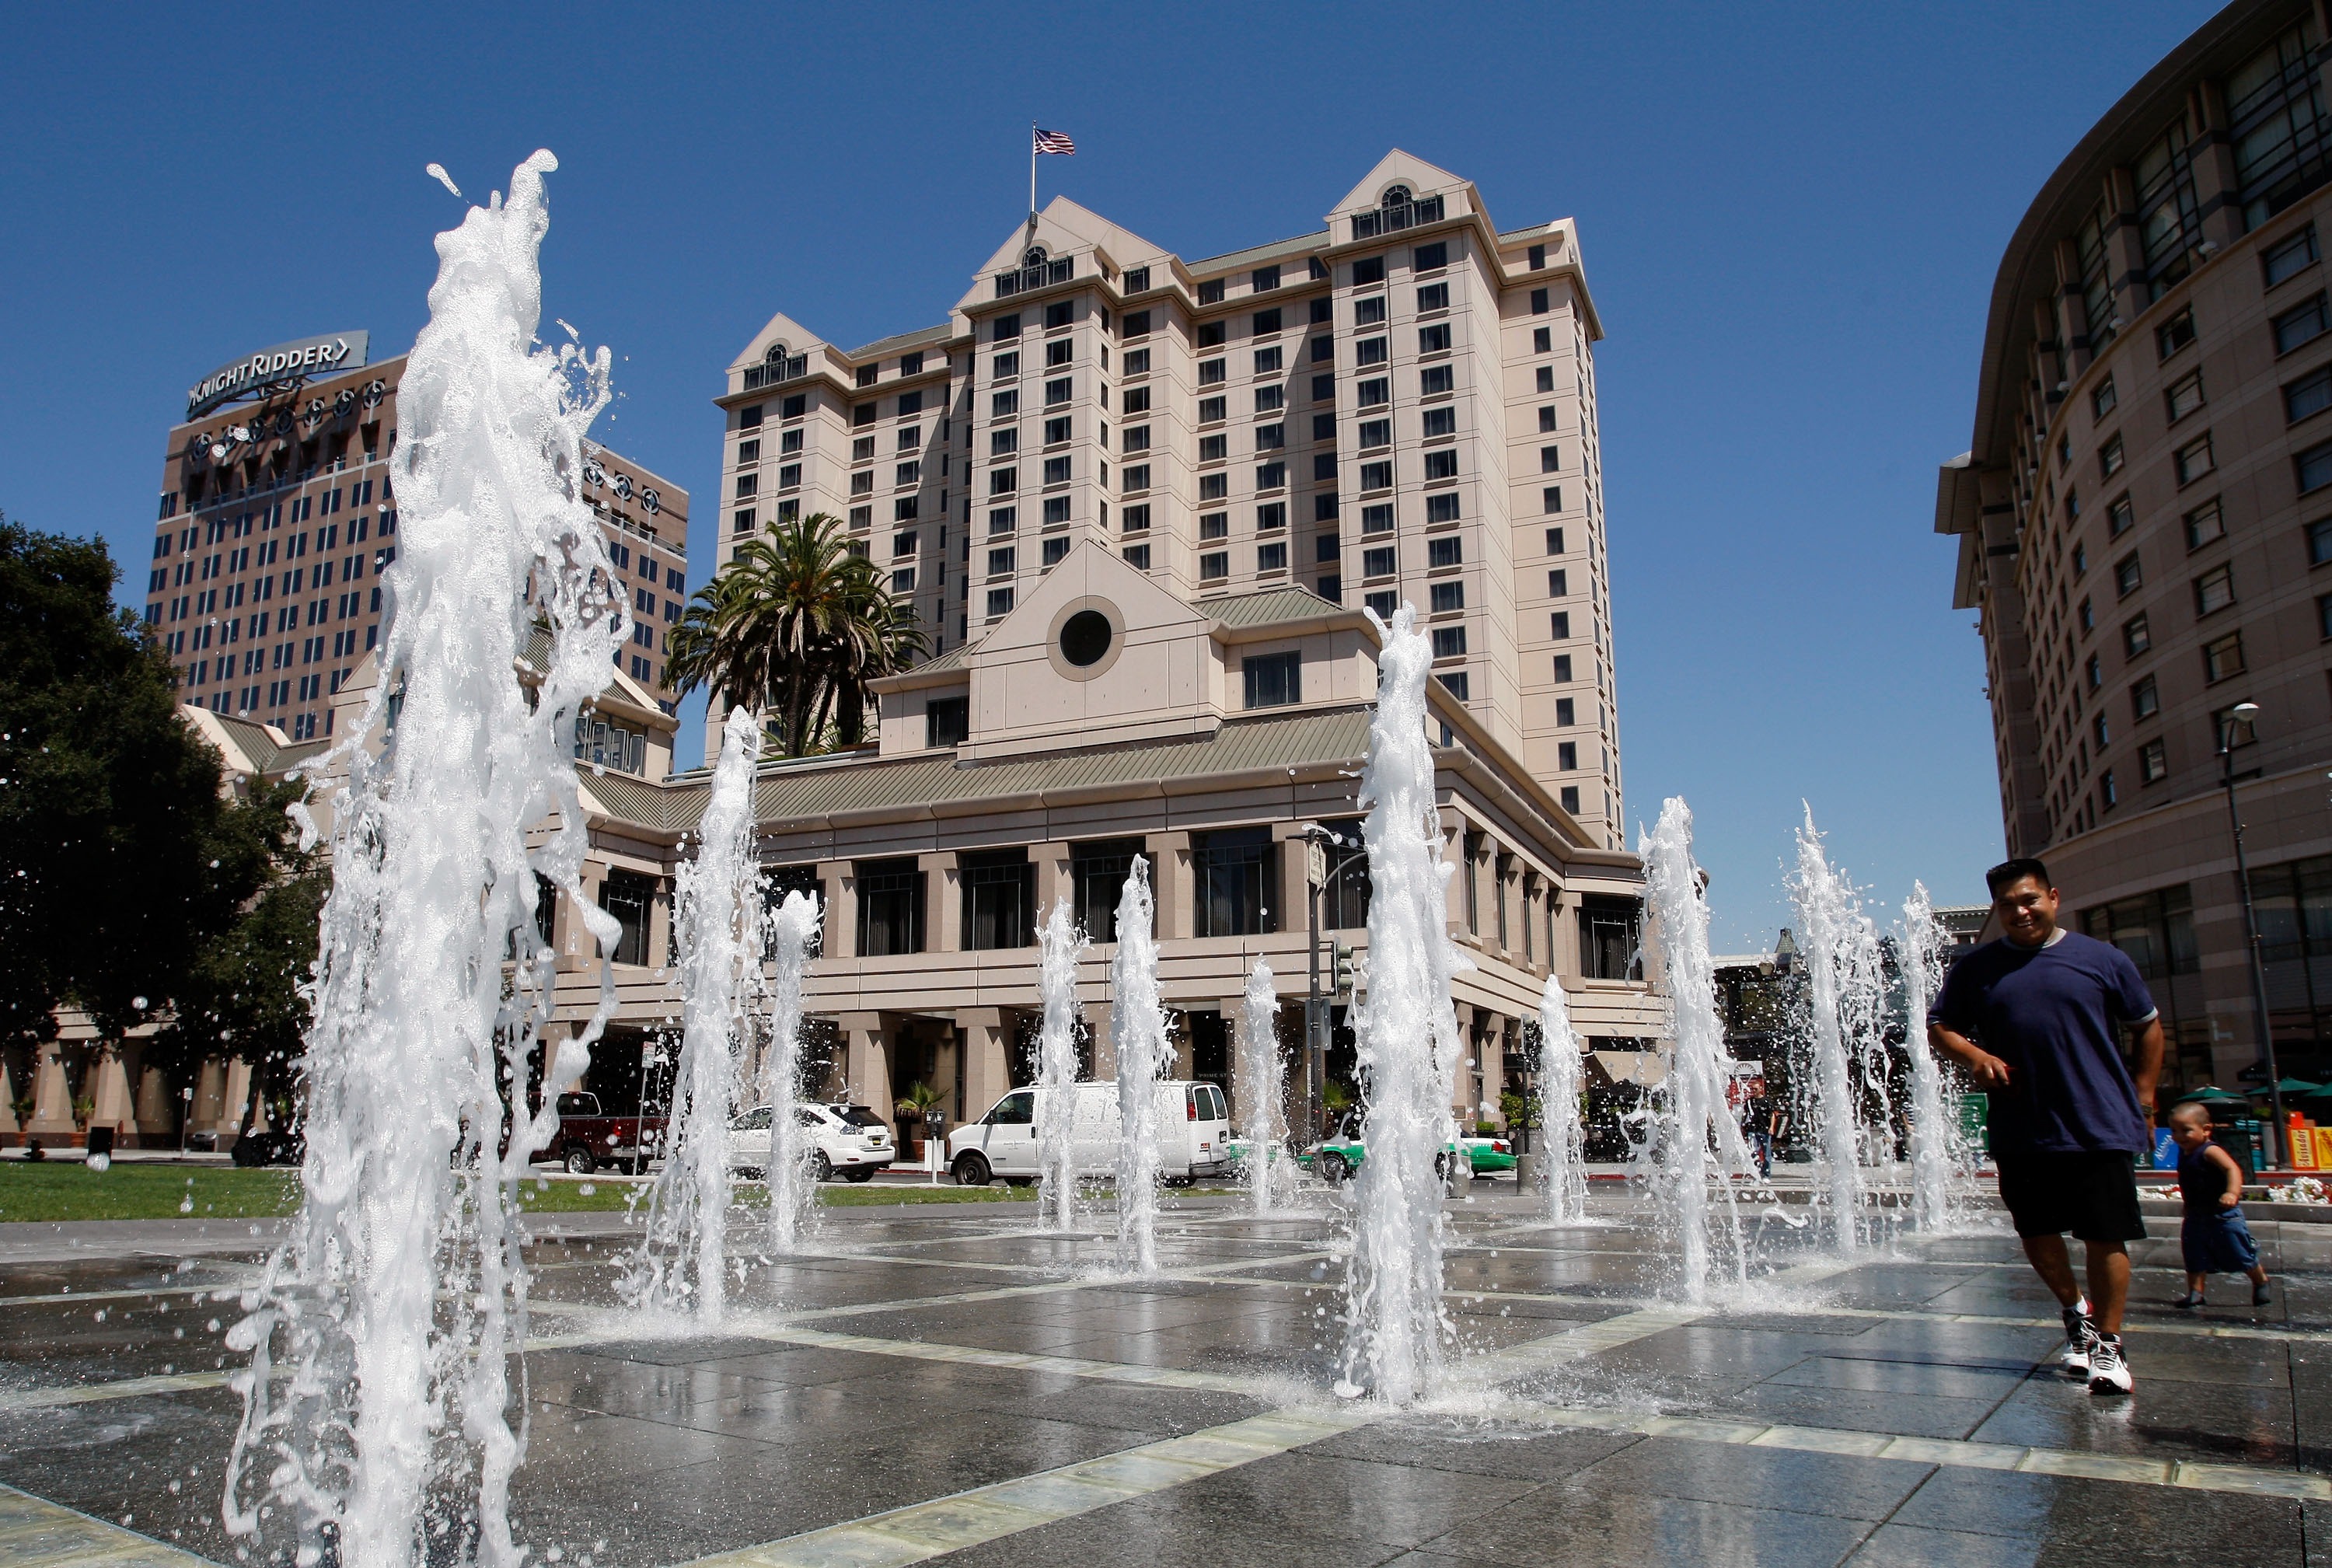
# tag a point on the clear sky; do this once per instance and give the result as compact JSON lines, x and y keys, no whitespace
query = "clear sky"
{"x":1790,"y":220}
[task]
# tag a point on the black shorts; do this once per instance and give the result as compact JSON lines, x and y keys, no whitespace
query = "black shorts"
{"x":2091,"y":1193}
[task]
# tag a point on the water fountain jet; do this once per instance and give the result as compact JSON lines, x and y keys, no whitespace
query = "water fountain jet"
{"x":794,"y":928}
{"x":1826,"y":910}
{"x":1062,"y":944}
{"x":1137,"y":1031}
{"x":1560,"y":1070}
{"x":1263,"y":1088}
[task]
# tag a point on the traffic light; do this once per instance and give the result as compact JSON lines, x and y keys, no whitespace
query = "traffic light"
{"x":1343,"y":972}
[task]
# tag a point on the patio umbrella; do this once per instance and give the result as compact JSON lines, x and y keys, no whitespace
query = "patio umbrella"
{"x":2212,"y":1094}
{"x":2290,"y":1087}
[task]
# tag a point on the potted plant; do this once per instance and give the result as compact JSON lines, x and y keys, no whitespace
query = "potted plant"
{"x":910,"y":1107}
{"x":23,"y":1106}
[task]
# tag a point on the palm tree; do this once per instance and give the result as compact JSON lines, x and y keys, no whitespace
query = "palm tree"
{"x":796,"y":624}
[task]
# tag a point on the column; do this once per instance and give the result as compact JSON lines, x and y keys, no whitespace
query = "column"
{"x":1490,"y":1060}
{"x":942,"y":901}
{"x":1105,"y":1048}
{"x":51,"y":1096}
{"x":841,"y":931}
{"x":1053,"y":881}
{"x":1289,"y":912}
{"x":1171,"y":884}
{"x":867,"y":1060}
{"x":981,"y":1034}
{"x":1454,"y":850}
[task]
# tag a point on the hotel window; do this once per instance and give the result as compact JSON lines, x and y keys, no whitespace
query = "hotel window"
{"x":910,"y":403}
{"x":2102,"y":399}
{"x":1007,"y":328}
{"x":1370,"y":351}
{"x":1368,"y":270}
{"x":2214,"y":592}
{"x":1004,"y":443}
{"x":1271,"y":556}
{"x":1324,"y":506}
{"x":1376,"y":475}
{"x":2127,"y":577}
{"x":1433,"y":297}
{"x":1559,"y":627}
{"x":1375,"y":393}
{"x":1267,"y":361}
{"x":1212,"y":410}
{"x":2288,"y":258}
{"x":1445,"y":553}
{"x":2309,"y":396}
{"x":1456,"y":683}
{"x":1000,"y":602}
{"x":1270,"y":400}
{"x":1060,"y":353}
{"x":1377,"y":519}
{"x":910,"y":438}
{"x":1558,"y":585}
{"x":1441,"y":465}
{"x":908,"y":474}
{"x":1323,"y":390}
{"x":1325,"y":547}
{"x":1368,"y":312}
{"x":749,"y":452}
{"x":1006,"y":367}
{"x":2109,"y":457}
{"x":1137,"y":322}
{"x":2206,"y":524}
{"x":2303,"y":324}
{"x":1448,"y":597}
{"x":1213,"y":449}
{"x":1214,"y":525}
{"x":631,"y":898}
{"x":1433,"y":340}
{"x":1273,"y":680}
{"x":747,"y":484}
{"x":999,"y":896}
{"x":1060,"y":389}
{"x":1060,"y":313}
{"x":1057,"y":472}
{"x":2319,"y":542}
{"x":790,"y":443}
{"x":1234,"y":882}
{"x":947,"y":721}
{"x":2135,"y":637}
{"x":1566,"y":711}
{"x":1137,"y":361}
{"x":1003,"y":405}
{"x":862,"y":516}
{"x":1135,"y":400}
{"x":1375,"y":432}
{"x":2184,"y":396}
{"x":1543,"y":340}
{"x":1213,"y":372}
{"x":1563,"y":666}
{"x":1136,"y":521}
{"x":1214,"y":486}
{"x":863,"y":415}
{"x":902,"y":581}
{"x":1211,"y":292}
{"x":2323,"y":616}
{"x":2153,"y":763}
{"x":1322,"y":350}
{"x":1381,"y":604}
{"x":1439,"y":422}
{"x":1214,"y":566}
{"x":2223,"y":657}
{"x":794,"y":407}
{"x":1003,"y":481}
{"x":1136,"y":556}
{"x":1380,"y":561}
{"x":742,"y":521}
{"x":2144,"y":700}
{"x":1135,"y":479}
{"x":2313,"y":467}
{"x":1270,"y":475}
{"x":1001,"y":563}
{"x":2175,"y":333}
{"x":890,"y":907}
{"x":867,"y":374}
{"x":1270,"y":436}
{"x":1271,"y":515}
{"x":1057,"y":511}
{"x":1441,"y":508}
{"x":2118,"y":517}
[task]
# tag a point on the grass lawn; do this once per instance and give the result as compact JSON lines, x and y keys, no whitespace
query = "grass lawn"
{"x":55,"y":1189}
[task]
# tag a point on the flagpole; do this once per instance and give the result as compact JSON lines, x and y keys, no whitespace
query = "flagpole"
{"x":1032,"y":173}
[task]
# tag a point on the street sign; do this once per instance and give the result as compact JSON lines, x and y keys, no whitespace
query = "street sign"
{"x":1316,"y":864}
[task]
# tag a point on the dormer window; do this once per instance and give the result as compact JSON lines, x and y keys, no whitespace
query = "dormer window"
{"x":1394,"y":196}
{"x":1033,"y":256}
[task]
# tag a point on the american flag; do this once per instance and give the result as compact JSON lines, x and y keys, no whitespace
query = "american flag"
{"x":1054,"y":141}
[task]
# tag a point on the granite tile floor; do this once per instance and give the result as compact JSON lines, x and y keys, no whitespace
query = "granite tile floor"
{"x":946,"y":1384}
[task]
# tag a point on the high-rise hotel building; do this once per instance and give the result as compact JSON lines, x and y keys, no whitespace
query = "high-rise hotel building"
{"x":1399,"y":405}
{"x":277,"y":516}
{"x":2144,"y":523}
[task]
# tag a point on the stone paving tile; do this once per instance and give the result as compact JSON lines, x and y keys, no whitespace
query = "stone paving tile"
{"x":2068,"y":1520}
{"x":120,"y":1459}
{"x":2160,"y":1421}
{"x":1829,"y":1483}
{"x":1856,"y":1409}
{"x":1582,"y":1524}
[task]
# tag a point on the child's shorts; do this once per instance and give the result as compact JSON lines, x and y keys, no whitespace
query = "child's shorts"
{"x":2218,"y":1243}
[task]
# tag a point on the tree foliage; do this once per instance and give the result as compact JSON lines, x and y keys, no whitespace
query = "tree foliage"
{"x":117,"y":864}
{"x":796,"y":624}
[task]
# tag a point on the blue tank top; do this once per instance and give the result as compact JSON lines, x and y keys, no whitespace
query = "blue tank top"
{"x":2201,"y":1183}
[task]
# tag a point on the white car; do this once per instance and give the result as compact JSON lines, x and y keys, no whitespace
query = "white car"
{"x":1193,"y":1124}
{"x":847,"y":1141}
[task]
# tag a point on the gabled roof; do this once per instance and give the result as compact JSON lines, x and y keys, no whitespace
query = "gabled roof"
{"x":1400,"y":167}
{"x":1270,"y":606}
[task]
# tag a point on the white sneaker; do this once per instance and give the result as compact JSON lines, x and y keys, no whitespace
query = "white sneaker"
{"x":2108,"y":1373}
{"x":2080,"y":1340}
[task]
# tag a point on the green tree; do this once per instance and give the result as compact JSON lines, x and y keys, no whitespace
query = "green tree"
{"x":796,"y":624}
{"x":242,"y":995}
{"x":115,"y":868}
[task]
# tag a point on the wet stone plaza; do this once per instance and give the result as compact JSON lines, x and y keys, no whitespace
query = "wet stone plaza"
{"x":949,"y":1384}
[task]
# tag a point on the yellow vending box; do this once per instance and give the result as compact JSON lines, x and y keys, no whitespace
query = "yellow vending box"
{"x":2324,"y":1148}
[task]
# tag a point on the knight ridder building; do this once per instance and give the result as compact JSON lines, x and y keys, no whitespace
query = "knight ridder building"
{"x":276,"y":518}
{"x":2143,"y":524}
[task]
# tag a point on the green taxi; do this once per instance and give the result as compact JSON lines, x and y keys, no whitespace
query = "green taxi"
{"x":1341,"y":1152}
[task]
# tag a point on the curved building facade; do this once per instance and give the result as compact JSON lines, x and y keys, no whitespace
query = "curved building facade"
{"x":2145,"y":527}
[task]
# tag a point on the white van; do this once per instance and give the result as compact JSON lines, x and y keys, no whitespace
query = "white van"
{"x":1193,"y":1124}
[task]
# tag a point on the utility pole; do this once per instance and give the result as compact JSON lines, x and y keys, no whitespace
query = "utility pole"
{"x":2277,"y":1138}
{"x":1316,"y":1011}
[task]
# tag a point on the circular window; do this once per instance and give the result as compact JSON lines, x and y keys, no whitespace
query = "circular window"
{"x":1085,"y":638}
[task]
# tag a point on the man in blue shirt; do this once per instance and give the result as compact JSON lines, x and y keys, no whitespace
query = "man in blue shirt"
{"x":2035,"y":1018}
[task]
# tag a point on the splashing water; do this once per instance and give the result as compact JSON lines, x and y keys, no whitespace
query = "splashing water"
{"x":1137,"y":1028}
{"x":794,"y":929}
{"x":680,"y":1265}
{"x":1828,"y":911}
{"x":1560,"y":1070}
{"x":1934,"y":1104}
{"x":401,"y":1293}
{"x":1062,"y":944}
{"x":1691,"y":1110}
{"x":1396,"y":1327}
{"x":1263,"y":1088}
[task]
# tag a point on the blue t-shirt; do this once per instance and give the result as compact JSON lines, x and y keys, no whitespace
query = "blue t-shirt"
{"x":2050,"y":1013}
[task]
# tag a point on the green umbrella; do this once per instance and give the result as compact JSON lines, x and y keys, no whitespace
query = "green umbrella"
{"x":2212,"y":1094}
{"x":2292,"y":1086}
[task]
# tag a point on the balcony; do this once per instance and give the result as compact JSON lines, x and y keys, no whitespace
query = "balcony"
{"x":1392,"y":220}
{"x":772,"y":372}
{"x":1035,"y":276}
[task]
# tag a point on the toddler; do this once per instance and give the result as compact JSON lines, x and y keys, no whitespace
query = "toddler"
{"x":2215,"y":1237}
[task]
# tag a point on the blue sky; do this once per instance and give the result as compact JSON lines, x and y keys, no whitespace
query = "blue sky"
{"x":1790,"y":221}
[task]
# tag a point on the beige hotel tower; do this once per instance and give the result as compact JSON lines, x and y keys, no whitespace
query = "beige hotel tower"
{"x":1398,"y":406}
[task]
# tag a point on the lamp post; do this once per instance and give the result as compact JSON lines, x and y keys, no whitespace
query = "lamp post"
{"x":2245,"y":713}
{"x":1320,"y":871}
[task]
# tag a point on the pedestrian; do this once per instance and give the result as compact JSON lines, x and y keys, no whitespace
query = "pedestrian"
{"x":2215,"y":1236}
{"x":1755,"y":1116}
{"x":2034,"y":1017}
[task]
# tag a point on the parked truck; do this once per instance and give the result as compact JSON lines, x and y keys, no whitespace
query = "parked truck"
{"x":588,"y":1138}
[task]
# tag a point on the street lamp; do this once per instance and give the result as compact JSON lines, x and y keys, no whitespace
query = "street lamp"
{"x":2245,"y":713}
